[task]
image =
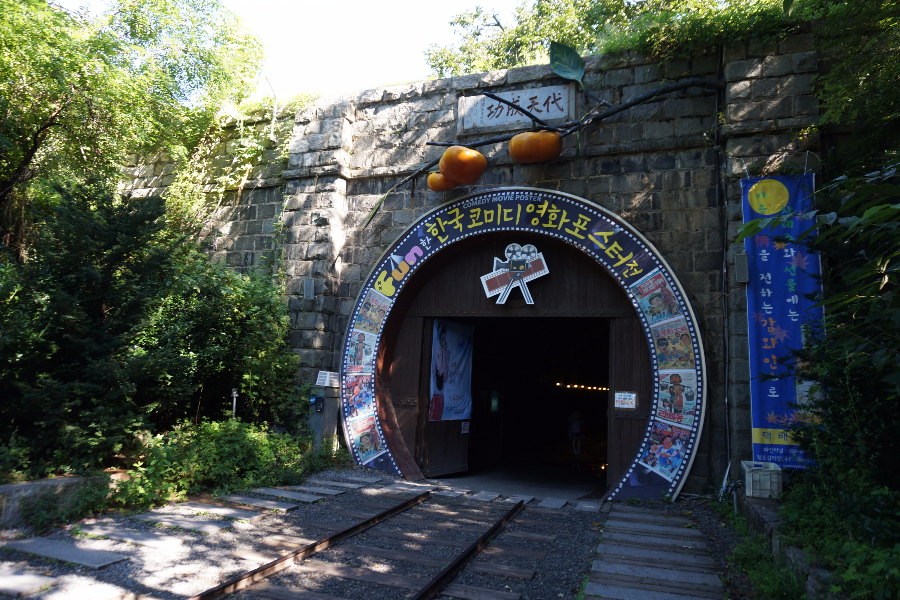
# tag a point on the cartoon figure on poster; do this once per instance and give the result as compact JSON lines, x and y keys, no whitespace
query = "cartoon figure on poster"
{"x":666,"y":450}
{"x":451,"y":372}
{"x":371,"y":314}
{"x":361,"y":353}
{"x":673,"y":344}
{"x":677,"y":396}
{"x":656,"y":298}
{"x":361,"y":403}
{"x":365,"y":439}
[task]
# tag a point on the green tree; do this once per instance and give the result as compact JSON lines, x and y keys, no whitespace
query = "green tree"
{"x":77,"y":94}
{"x":486,"y":44}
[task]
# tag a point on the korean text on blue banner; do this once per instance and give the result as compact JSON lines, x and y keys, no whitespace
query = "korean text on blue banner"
{"x":782,"y":276}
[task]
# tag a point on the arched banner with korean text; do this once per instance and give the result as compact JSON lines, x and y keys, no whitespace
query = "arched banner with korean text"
{"x":678,"y":405}
{"x":782,"y":279}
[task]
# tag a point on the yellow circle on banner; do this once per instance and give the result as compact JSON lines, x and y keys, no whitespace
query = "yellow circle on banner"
{"x":768,"y":196}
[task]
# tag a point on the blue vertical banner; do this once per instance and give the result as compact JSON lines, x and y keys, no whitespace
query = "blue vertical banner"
{"x":781,"y":276}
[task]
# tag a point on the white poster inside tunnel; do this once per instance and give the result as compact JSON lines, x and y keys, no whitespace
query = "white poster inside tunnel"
{"x":451,"y":372}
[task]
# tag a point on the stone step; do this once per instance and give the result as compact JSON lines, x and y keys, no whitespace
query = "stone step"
{"x":515,"y":499}
{"x":618,"y":592}
{"x":340,"y":484}
{"x":660,"y":572}
{"x":188,"y":523}
{"x":589,"y":506}
{"x":363,"y":479}
{"x":484,"y":496}
{"x":134,"y":536}
{"x":552,"y":503}
{"x":316,"y":490}
{"x":632,"y":527}
{"x":282,"y":507}
{"x":22,"y":583}
{"x":670,"y":521}
{"x":654,"y":540}
{"x":450,"y":493}
{"x":650,"y":584}
{"x":649,"y":553}
{"x":308,"y":498}
{"x":222,"y":511}
{"x":95,"y":559}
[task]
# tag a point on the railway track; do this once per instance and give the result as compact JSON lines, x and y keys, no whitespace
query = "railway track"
{"x":401,"y":522}
{"x":400,"y":541}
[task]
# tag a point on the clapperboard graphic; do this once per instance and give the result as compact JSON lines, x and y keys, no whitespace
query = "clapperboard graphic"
{"x":522,"y":264}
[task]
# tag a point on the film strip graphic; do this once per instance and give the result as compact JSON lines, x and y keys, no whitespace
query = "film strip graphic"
{"x":678,"y":405}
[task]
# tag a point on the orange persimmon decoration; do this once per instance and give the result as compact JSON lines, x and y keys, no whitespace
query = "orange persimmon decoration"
{"x":535,"y":146}
{"x":439,"y":183}
{"x":462,"y":165}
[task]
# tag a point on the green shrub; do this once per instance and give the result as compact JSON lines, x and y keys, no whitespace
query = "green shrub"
{"x":113,"y":326}
{"x":221,"y":457}
{"x":53,"y":506}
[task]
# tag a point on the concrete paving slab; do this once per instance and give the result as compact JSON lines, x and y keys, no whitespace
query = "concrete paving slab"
{"x":485,"y":496}
{"x":405,"y":488}
{"x":552,"y":503}
{"x":140,"y":538}
{"x":450,"y":493}
{"x":652,"y":528}
{"x":222,"y":511}
{"x":587,"y":506}
{"x":259,"y":503}
{"x":673,"y":574}
{"x":648,"y":538}
{"x":95,"y":559}
{"x":626,"y":593}
{"x":646,"y":553}
{"x":649,"y":518}
{"x":189,"y":523}
{"x":363,"y":479}
{"x":285,"y":494}
{"x":340,"y":484}
{"x":315,"y":490}
{"x":17,"y":583}
{"x":524,"y":499}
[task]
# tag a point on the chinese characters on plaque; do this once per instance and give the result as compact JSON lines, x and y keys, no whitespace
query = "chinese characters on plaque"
{"x":548,"y":103}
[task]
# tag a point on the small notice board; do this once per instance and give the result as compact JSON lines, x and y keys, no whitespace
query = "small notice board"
{"x":626,"y":400}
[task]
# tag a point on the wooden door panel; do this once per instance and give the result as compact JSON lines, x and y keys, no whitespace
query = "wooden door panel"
{"x":630,"y":370}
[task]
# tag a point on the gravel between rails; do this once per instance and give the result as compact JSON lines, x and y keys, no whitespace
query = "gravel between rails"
{"x":204,"y":561}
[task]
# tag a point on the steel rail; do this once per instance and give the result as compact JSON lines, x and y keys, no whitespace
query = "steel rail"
{"x":440,"y":581}
{"x":284,"y":562}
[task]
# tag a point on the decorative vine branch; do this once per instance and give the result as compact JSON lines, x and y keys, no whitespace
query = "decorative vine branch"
{"x":569,"y":72}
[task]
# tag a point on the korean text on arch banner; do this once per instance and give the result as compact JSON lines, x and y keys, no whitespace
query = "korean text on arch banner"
{"x":781,"y":278}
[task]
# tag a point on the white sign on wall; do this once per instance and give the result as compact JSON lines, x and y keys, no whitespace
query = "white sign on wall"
{"x":626,"y":400}
{"x":554,"y":104}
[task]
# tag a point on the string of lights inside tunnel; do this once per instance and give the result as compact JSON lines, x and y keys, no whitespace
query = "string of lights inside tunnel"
{"x":585,"y":387}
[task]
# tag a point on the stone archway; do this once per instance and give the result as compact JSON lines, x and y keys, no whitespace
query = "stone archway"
{"x":678,"y":402}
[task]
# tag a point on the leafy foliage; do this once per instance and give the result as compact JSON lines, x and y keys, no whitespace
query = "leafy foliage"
{"x":214,"y":330}
{"x":113,"y":327}
{"x":54,"y":506}
{"x":861,"y":41}
{"x":848,"y":509}
{"x":486,"y":44}
{"x":220,"y":456}
{"x":77,"y":94}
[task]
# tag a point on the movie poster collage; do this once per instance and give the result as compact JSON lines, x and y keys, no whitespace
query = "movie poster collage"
{"x":359,"y":409}
{"x":677,"y":409}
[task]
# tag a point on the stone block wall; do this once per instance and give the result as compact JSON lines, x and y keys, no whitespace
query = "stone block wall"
{"x":670,"y":167}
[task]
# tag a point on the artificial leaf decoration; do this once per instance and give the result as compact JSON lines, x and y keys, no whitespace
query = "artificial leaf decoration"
{"x":566,"y":62}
